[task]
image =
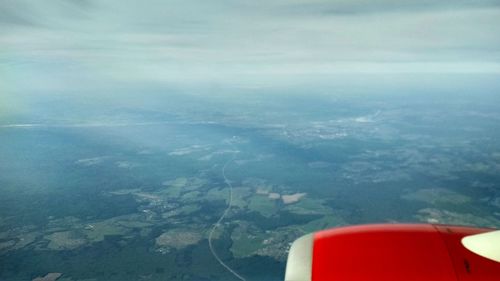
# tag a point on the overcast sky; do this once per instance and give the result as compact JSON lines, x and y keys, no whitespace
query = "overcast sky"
{"x":45,"y":41}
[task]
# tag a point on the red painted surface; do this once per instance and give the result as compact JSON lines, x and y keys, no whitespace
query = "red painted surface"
{"x":468,"y":265}
{"x":398,"y":252}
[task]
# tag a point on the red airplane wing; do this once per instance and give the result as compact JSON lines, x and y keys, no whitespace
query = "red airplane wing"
{"x":389,"y":252}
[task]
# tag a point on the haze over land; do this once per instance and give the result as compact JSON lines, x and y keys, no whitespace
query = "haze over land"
{"x":117,"y":119}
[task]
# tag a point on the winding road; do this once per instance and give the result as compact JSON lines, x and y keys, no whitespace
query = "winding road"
{"x":219,"y":221}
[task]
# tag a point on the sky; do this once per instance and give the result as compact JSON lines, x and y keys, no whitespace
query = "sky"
{"x":58,"y":44}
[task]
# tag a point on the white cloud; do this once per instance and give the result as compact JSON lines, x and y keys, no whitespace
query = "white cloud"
{"x":200,"y":41}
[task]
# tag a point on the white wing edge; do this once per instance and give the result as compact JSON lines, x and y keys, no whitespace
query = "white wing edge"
{"x":299,"y":262}
{"x":484,"y":244}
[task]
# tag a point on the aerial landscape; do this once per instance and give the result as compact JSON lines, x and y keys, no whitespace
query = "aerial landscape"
{"x":118,"y":164}
{"x":137,"y":197}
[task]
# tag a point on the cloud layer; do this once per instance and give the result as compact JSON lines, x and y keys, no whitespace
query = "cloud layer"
{"x":47,"y":42}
